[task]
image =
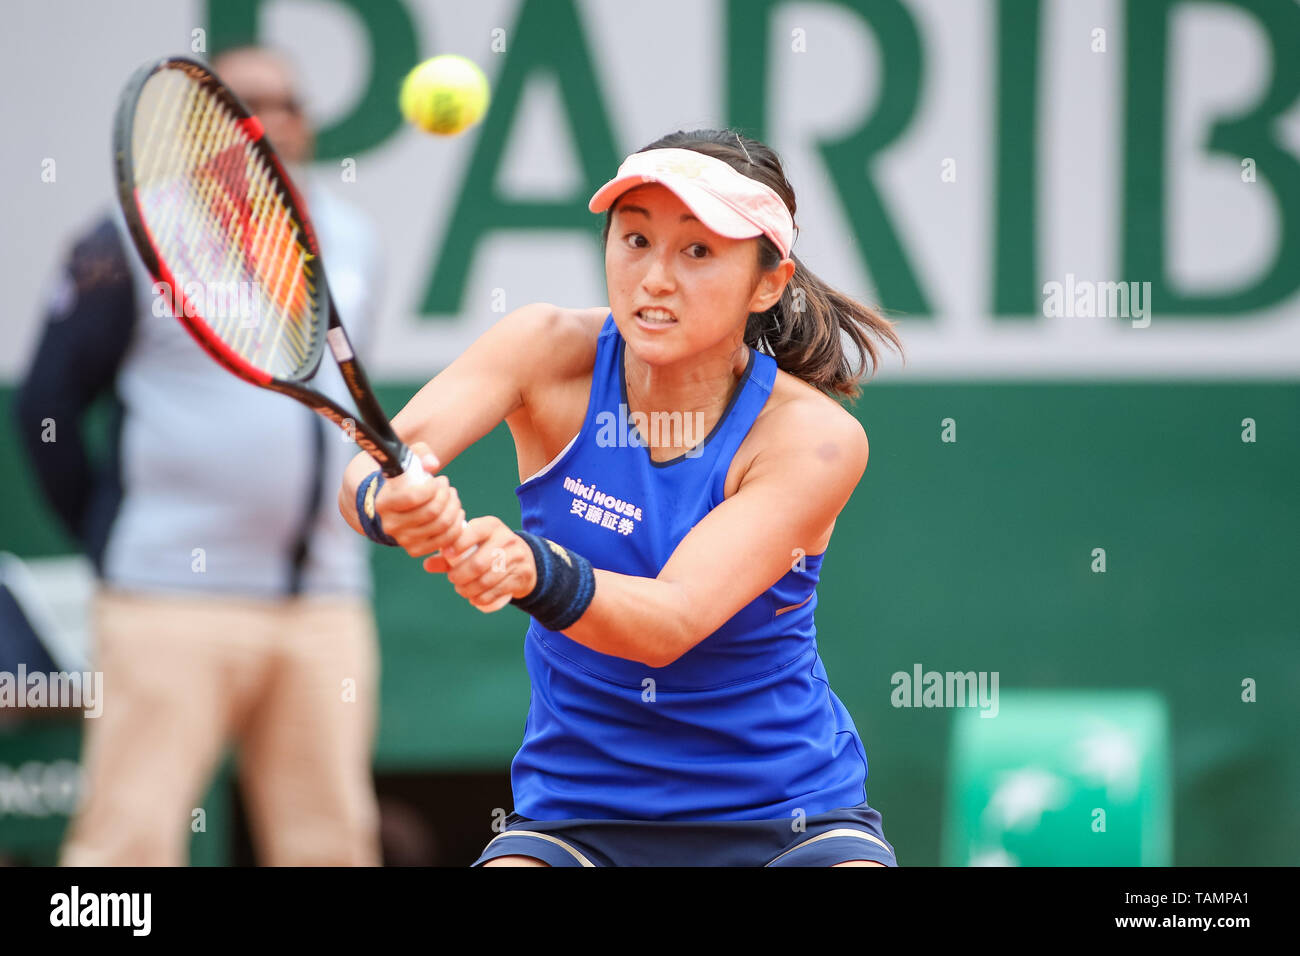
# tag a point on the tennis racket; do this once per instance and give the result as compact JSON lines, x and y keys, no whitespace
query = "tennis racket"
{"x":218,"y":222}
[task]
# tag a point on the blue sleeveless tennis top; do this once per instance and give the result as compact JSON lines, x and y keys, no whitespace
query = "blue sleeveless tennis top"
{"x":744,"y":726}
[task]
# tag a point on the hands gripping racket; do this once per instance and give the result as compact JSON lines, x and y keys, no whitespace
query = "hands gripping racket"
{"x":211,"y":209}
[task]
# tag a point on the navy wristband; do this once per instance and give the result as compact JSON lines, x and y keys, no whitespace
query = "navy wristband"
{"x":370,"y":522}
{"x":565,"y":584}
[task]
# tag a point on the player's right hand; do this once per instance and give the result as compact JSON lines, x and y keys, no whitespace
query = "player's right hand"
{"x":423,"y":517}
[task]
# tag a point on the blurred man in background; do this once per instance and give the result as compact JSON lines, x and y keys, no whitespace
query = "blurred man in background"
{"x":231,"y":606}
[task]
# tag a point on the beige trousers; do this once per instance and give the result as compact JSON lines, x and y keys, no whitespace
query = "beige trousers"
{"x":292,"y":683}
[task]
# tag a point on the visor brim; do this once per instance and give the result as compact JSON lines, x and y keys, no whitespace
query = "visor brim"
{"x":712,"y":212}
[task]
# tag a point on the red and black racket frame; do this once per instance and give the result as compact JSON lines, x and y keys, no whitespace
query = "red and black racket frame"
{"x":371,"y":430}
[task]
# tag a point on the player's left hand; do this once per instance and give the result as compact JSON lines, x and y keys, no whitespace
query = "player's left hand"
{"x":502,"y":568}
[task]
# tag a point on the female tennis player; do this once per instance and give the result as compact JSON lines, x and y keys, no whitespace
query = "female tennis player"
{"x":683,"y":459}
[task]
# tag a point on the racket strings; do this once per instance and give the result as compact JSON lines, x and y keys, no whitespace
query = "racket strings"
{"x":219,"y":220}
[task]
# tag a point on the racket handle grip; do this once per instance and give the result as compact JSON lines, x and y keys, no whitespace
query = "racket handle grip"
{"x":472,"y":548}
{"x":413,"y":470}
{"x":417,"y":475}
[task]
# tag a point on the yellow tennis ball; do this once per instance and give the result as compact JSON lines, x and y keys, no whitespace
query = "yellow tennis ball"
{"x":445,"y":95}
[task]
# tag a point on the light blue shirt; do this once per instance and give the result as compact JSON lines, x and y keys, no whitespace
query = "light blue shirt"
{"x":216,"y":472}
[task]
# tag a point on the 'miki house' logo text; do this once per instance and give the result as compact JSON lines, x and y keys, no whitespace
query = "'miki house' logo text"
{"x":591,"y":504}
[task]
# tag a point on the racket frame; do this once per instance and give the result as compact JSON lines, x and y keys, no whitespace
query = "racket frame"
{"x":371,"y":428}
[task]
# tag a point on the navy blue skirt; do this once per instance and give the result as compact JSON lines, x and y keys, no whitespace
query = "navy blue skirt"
{"x":852,"y":833}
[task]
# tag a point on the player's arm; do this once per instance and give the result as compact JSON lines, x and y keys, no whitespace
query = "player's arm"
{"x":792,"y":492}
{"x":470,"y":397}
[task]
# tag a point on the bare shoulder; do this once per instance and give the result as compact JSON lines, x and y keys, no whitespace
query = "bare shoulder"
{"x":569,"y":340}
{"x":556,"y":351}
{"x":564,"y":338}
{"x":803,"y":438}
{"x":798,"y":420}
{"x":553,"y":350}
{"x":574,"y":332}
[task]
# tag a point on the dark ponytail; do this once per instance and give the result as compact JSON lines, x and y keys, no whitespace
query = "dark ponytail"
{"x":815,"y":332}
